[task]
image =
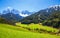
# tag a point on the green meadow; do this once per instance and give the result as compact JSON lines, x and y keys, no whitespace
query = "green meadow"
{"x":21,"y":31}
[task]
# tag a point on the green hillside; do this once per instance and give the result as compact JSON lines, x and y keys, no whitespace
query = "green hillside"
{"x":9,"y":31}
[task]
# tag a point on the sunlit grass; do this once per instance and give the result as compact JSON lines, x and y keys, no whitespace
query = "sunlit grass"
{"x":9,"y":31}
{"x":39,"y":26}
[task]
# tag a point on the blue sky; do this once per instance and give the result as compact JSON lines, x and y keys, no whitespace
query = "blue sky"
{"x":30,"y":5}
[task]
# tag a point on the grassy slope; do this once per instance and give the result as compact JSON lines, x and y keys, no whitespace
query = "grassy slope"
{"x":7,"y":31}
{"x":39,"y":26}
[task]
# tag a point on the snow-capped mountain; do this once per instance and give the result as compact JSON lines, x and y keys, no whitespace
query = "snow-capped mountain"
{"x":13,"y":14}
{"x":52,"y":9}
{"x":55,"y":7}
{"x":23,"y":13}
{"x":42,"y":15}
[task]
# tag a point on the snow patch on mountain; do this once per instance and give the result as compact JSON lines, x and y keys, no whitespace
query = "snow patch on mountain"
{"x":55,"y":7}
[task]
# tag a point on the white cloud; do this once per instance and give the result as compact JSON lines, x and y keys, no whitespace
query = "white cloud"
{"x":23,"y":15}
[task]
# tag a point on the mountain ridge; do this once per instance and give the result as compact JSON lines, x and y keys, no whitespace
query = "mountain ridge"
{"x":41,"y":15}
